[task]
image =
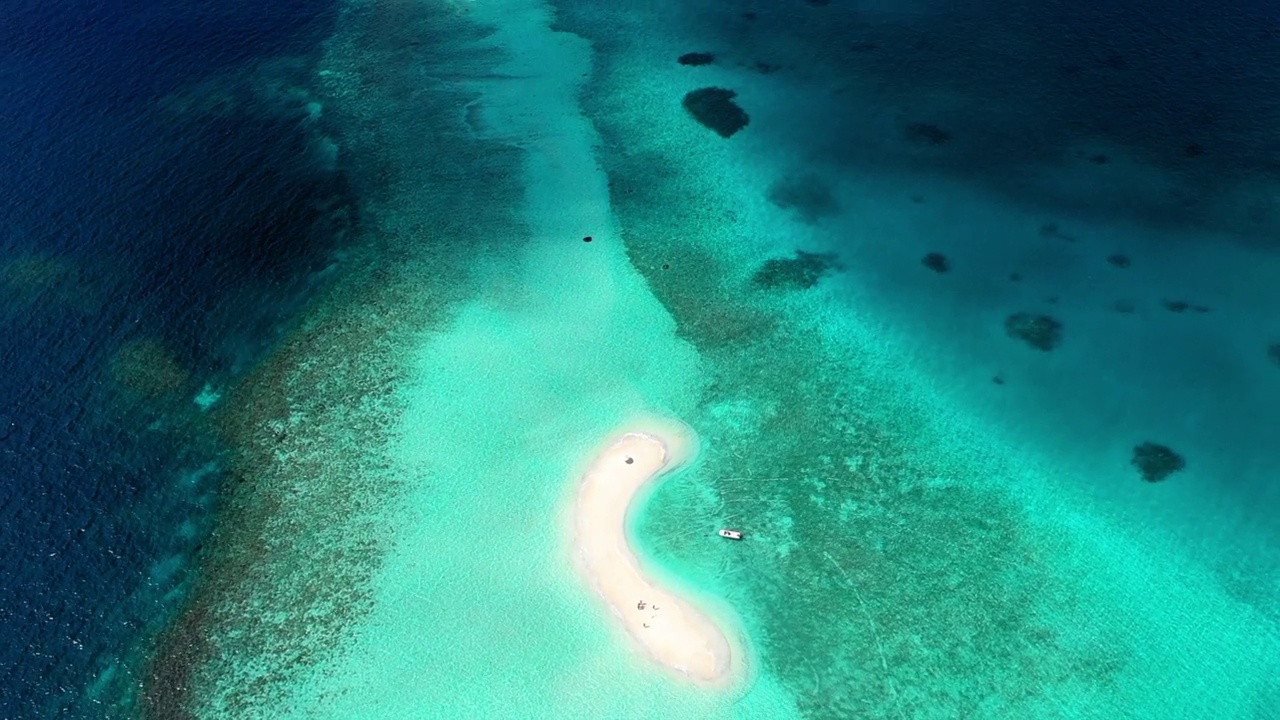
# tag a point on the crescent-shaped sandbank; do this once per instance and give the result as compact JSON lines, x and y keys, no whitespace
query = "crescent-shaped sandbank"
{"x":666,"y":627}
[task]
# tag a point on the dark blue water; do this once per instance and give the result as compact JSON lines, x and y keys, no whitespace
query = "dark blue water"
{"x":143,"y":253}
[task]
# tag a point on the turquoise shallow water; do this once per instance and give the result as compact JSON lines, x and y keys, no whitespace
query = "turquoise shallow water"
{"x":942,"y":520}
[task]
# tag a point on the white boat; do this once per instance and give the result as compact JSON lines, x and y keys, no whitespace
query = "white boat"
{"x":731,"y":534}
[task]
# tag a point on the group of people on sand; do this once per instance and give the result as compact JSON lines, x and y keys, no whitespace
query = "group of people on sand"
{"x":641,"y":605}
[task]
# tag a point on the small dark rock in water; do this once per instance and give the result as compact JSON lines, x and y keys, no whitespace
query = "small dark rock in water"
{"x":666,"y":266}
{"x":936,"y":262}
{"x":800,"y":272}
{"x":1156,"y":462}
{"x":927,"y":134}
{"x":697,"y":58}
{"x":1039,"y":331}
{"x":1120,"y":261}
{"x":714,"y":108}
{"x":588,"y":238}
{"x":630,"y":461}
{"x":1273,"y":352}
{"x":997,"y":379}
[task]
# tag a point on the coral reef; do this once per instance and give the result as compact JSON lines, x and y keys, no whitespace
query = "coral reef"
{"x":800,"y":272}
{"x":936,"y":262}
{"x":147,"y":367}
{"x":1156,"y":462}
{"x":714,"y":108}
{"x":1181,"y":306}
{"x":1039,"y":331}
{"x":696,"y":58}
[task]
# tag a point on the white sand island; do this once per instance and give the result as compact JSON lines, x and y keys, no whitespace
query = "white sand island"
{"x":667,"y":628}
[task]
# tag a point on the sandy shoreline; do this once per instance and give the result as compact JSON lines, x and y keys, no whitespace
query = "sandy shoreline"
{"x":666,"y":628}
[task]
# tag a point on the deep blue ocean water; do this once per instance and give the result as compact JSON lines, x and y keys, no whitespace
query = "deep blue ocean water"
{"x":143,"y":254}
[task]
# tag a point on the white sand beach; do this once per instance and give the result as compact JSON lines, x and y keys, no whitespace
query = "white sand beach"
{"x":667,"y":628}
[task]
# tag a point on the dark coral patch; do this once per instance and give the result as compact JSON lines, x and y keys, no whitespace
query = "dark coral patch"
{"x":697,"y":58}
{"x":1120,"y":261}
{"x":1156,"y":462}
{"x":922,"y":133}
{"x":936,"y":262}
{"x":1039,"y":331}
{"x":714,"y":108}
{"x":1182,"y":306}
{"x":795,"y":273}
{"x":1273,"y":352}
